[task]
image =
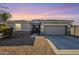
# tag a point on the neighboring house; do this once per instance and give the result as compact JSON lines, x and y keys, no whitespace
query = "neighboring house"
{"x":75,"y":30}
{"x":48,"y":27}
{"x":20,"y":25}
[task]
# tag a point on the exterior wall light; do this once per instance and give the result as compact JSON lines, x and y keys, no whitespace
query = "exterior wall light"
{"x":36,"y":26}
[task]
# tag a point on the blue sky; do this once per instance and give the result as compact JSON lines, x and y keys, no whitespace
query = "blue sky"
{"x":29,"y":11}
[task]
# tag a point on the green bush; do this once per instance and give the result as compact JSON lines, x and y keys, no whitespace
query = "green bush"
{"x":6,"y":30}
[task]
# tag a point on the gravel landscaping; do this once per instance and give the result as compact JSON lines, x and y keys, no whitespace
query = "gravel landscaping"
{"x":39,"y":47}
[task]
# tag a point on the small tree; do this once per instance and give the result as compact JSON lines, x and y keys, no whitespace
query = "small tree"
{"x":4,"y":14}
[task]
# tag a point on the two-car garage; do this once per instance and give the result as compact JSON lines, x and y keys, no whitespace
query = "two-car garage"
{"x":54,"y":30}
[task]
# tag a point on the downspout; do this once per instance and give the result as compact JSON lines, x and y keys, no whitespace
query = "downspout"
{"x":70,"y":29}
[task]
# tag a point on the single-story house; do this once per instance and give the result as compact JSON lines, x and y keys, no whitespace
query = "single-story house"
{"x":54,"y":27}
{"x":48,"y":27}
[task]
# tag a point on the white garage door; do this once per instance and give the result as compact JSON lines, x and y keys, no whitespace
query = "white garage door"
{"x":54,"y":30}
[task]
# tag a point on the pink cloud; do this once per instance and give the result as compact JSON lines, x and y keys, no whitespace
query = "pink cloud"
{"x":30,"y":16}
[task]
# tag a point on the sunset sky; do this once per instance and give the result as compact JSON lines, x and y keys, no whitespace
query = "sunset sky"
{"x":29,"y":11}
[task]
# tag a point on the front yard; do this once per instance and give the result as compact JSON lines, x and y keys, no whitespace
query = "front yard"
{"x":39,"y":46}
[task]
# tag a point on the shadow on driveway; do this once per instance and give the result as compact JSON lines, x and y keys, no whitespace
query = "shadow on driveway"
{"x":18,"y":40}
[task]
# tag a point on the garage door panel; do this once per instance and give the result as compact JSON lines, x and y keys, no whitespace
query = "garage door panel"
{"x":55,"y":30}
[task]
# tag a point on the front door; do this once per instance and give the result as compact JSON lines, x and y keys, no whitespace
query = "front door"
{"x":36,"y":29}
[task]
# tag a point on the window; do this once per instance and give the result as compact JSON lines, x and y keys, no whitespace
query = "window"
{"x":18,"y":26}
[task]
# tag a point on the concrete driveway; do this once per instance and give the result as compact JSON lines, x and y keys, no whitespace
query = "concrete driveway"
{"x":64,"y":42}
